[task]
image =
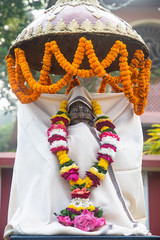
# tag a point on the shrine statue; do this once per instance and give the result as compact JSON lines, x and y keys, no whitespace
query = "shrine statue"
{"x":97,"y":157}
{"x":79,"y":156}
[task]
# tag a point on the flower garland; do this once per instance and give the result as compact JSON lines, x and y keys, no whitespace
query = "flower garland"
{"x":73,"y":83}
{"x":134,"y":77}
{"x":81,"y":213}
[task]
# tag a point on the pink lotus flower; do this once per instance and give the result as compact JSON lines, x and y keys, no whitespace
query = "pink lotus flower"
{"x":72,"y":174}
{"x":65,"y":220}
{"x":87,"y":222}
{"x":100,"y":222}
{"x":81,"y":193}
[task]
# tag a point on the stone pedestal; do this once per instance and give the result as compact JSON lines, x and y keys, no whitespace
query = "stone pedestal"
{"x":72,"y":237}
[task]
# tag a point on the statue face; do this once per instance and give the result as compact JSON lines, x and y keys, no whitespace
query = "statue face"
{"x":79,"y":112}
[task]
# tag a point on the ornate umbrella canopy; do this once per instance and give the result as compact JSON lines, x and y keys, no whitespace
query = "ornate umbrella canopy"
{"x":66,"y":22}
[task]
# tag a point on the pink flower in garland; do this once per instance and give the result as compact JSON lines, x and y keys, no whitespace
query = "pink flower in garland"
{"x":56,"y":138}
{"x":66,"y":221}
{"x":58,"y":148}
{"x":80,"y":193}
{"x":57,"y":129}
{"x":100,"y":222}
{"x":72,"y":174}
{"x":105,"y":149}
{"x":110,"y":134}
{"x":87,"y":221}
{"x":109,"y":146}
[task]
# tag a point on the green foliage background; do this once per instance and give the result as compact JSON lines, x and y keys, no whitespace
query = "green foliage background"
{"x":14,"y":17}
{"x":152,"y":145}
{"x":5,"y":134}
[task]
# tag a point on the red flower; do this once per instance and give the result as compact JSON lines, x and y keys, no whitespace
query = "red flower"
{"x":105,"y":123}
{"x":81,"y":193}
{"x":94,"y":178}
{"x":105,"y":156}
{"x":72,"y":174}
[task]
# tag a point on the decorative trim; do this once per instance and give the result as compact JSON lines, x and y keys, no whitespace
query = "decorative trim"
{"x":54,"y":27}
{"x":38,"y":30}
{"x":60,"y":26}
{"x":86,"y":26}
{"x":52,"y":17}
{"x":77,"y":2}
{"x":49,"y":27}
{"x":97,"y":14}
{"x":99,"y":26}
{"x":74,"y":27}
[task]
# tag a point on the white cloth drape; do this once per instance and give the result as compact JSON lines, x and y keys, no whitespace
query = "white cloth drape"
{"x":38,"y":191}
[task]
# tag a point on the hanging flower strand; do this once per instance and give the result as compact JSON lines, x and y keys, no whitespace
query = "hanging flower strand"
{"x":134,"y":77}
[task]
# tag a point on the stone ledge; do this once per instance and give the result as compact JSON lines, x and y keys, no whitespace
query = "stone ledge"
{"x":73,"y":237}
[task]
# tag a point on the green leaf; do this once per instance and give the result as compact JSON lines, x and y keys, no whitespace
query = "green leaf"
{"x":78,"y":186}
{"x":72,"y":216}
{"x":60,"y":112}
{"x":99,"y":214}
{"x":152,"y":145}
{"x":109,"y":130}
{"x":102,"y":117}
{"x":66,"y":164}
{"x":100,"y":169}
{"x":65,"y":212}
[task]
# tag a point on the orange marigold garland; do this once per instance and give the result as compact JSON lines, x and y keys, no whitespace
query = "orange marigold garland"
{"x":46,"y":65}
{"x":93,"y":60}
{"x":74,"y":82}
{"x":134,"y":77}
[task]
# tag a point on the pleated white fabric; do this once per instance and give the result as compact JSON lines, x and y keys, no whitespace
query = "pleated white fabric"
{"x":38,"y":191}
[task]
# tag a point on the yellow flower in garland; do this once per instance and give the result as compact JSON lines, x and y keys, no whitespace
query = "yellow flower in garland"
{"x":88,"y":182}
{"x":63,"y":158}
{"x":63,"y":106}
{"x":96,"y":108}
{"x":79,"y":182}
{"x":95,"y":172}
{"x":66,"y":169}
{"x":80,"y":208}
{"x":91,"y":208}
{"x":103,"y":163}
